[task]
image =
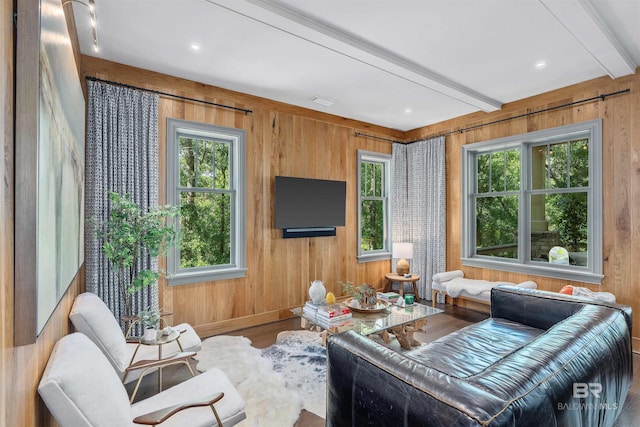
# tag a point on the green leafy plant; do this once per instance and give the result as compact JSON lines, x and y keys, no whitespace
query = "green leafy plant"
{"x":149,"y":318}
{"x":365,"y":294}
{"x":128,"y":235}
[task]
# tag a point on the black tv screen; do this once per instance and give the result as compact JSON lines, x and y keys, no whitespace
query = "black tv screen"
{"x":308,"y":203}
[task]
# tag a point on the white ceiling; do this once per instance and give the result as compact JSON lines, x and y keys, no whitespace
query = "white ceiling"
{"x":402,"y":64}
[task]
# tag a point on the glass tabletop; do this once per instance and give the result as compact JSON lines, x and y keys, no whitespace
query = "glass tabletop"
{"x":371,"y":323}
{"x":161,"y":338}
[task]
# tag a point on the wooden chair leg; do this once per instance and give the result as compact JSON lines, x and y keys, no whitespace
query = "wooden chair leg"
{"x":434,"y":297}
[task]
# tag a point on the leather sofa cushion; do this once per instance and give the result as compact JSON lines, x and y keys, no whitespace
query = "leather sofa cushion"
{"x":471,"y":350}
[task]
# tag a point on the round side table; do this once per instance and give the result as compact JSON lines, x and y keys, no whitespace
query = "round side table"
{"x":392,"y":277}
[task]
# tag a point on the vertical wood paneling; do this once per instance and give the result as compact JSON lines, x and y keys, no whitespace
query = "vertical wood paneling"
{"x":622,"y":165}
{"x":281,"y":140}
{"x":633,"y":282}
{"x":621,"y":176}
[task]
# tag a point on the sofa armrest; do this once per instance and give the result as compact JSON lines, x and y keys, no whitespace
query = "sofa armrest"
{"x":369,"y":384}
{"x":542,"y":309}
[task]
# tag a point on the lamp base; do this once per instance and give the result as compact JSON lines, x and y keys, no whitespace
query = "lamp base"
{"x":402,"y":267}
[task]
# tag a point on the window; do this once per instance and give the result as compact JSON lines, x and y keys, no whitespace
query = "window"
{"x":205,"y":178}
{"x":374,"y":183}
{"x":527,"y":194}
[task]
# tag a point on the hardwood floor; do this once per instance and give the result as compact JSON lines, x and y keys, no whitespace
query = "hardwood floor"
{"x":452,"y":319}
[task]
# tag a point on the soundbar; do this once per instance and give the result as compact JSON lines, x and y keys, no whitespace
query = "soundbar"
{"x":292,"y":233}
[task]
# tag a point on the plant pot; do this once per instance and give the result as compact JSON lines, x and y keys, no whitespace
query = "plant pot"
{"x":150,"y":334}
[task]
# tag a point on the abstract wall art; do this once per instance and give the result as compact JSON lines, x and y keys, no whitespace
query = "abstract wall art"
{"x":50,"y":135}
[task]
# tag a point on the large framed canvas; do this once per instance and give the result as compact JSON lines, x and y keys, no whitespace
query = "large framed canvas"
{"x":50,"y":135}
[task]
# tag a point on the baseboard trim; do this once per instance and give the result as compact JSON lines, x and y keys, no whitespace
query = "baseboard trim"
{"x":217,"y":328}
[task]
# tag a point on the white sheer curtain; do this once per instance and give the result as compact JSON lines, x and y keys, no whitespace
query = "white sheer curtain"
{"x":122,"y":157}
{"x":418,"y":201}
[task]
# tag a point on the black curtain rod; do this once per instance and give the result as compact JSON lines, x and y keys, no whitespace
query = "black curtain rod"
{"x":377,"y":137}
{"x":599,"y":97}
{"x":185,"y":98}
{"x":531,"y":113}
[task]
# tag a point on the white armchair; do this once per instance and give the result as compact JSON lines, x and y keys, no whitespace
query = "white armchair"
{"x":81,"y":389}
{"x":91,"y":316}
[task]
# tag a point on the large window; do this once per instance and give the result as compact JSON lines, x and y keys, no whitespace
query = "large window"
{"x":533,"y":203}
{"x":205,"y":178}
{"x":374,"y":183}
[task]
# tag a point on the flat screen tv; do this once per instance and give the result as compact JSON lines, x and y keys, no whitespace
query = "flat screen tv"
{"x":303,"y":203}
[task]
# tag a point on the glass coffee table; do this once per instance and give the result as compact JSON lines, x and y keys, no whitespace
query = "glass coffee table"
{"x":401,"y":321}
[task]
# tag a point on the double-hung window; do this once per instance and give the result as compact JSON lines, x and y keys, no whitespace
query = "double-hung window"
{"x":532,"y":203}
{"x":374,"y":184}
{"x":205,"y":178}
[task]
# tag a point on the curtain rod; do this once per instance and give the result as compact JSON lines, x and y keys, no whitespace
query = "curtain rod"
{"x":95,"y":79}
{"x":377,"y":137}
{"x":461,"y":130}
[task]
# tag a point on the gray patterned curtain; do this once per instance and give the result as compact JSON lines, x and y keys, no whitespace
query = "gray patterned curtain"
{"x":418,"y":201}
{"x":122,"y":157}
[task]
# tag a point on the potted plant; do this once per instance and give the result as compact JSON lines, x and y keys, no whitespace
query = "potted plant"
{"x":364,"y":294}
{"x":150,"y":319}
{"x":128,"y":235}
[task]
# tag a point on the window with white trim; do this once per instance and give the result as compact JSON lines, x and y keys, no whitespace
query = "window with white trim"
{"x":374,"y":186}
{"x":532,"y":203}
{"x":205,"y":179}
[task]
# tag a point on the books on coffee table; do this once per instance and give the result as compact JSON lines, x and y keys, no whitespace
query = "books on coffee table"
{"x":311,"y":309}
{"x":332,"y":311}
{"x":325,"y":315}
{"x":391,"y":297}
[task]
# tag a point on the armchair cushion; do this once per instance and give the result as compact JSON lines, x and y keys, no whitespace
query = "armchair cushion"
{"x":81,"y":389}
{"x":230,"y":408}
{"x":91,"y":316}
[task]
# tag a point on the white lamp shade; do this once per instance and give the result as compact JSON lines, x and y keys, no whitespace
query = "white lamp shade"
{"x":402,"y":250}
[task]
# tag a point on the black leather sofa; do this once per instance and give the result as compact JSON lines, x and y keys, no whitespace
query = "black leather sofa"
{"x":541,"y":359}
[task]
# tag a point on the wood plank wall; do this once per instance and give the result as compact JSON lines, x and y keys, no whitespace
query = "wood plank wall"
{"x":281,"y":140}
{"x":621,"y":181}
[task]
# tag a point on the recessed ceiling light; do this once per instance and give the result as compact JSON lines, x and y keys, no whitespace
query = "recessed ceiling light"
{"x":195,"y":46}
{"x":541,"y":64}
{"x":323,"y":101}
{"x":408,"y":111}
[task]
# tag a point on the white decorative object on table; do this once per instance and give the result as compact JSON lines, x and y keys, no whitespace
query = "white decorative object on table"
{"x":354,"y":303}
{"x":317,"y":292}
{"x":150,"y":334}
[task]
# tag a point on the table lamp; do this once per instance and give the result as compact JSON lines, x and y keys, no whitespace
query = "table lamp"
{"x":402,"y":251}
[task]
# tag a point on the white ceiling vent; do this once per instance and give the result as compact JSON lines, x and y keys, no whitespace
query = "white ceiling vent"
{"x":323,"y":101}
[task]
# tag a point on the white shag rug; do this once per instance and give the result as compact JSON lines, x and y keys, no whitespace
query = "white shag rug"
{"x":277,"y":382}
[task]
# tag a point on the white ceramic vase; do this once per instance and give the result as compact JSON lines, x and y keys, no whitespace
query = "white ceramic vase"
{"x":317,"y":292}
{"x":150,"y":334}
